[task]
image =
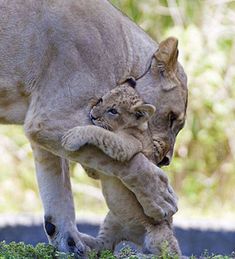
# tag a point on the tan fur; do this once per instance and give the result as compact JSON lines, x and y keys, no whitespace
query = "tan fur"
{"x":127,"y":138}
{"x":127,"y":135}
{"x":54,"y":58}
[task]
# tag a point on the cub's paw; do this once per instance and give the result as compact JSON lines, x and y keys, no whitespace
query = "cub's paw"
{"x":73,"y":140}
{"x":92,"y":242}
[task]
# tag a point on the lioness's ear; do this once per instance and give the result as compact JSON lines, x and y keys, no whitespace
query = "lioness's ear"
{"x":144,"y":112}
{"x":167,"y":54}
{"x":166,"y":59}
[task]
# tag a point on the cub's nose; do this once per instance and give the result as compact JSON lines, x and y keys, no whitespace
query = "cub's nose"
{"x":92,"y":117}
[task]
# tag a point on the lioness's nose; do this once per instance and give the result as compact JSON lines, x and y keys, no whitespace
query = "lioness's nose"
{"x":165,"y":161}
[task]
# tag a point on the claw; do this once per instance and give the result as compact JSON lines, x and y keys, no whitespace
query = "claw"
{"x":74,"y":245}
{"x":70,"y":241}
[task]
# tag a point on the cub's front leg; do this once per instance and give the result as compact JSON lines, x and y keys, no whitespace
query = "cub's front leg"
{"x":77,"y":137}
{"x":121,"y":147}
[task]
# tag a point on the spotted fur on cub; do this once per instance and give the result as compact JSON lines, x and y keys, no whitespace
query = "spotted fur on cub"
{"x":121,"y":126}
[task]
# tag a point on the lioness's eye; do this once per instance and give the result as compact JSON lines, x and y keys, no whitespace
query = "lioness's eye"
{"x":172,"y":118}
{"x":112,"y":111}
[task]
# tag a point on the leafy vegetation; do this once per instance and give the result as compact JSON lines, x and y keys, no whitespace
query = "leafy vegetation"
{"x":44,"y":251}
{"x":202,"y":171}
{"x":22,"y":251}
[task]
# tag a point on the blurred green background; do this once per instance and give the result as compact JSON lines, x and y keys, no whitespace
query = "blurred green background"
{"x":203,"y":169}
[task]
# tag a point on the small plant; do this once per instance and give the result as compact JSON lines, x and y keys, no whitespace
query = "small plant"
{"x":92,"y":254}
{"x":166,"y":252}
{"x":106,"y":254}
{"x":207,"y":255}
{"x":127,"y":252}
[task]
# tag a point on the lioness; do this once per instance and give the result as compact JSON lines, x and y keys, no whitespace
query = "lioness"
{"x":55,"y":55}
{"x":121,"y":131}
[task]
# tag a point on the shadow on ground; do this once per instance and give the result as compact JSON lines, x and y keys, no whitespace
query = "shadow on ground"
{"x":192,"y":241}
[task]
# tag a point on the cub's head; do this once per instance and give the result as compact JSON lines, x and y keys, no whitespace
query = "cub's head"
{"x":121,"y":108}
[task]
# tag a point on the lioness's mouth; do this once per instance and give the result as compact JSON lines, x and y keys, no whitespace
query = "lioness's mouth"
{"x":160,"y":151}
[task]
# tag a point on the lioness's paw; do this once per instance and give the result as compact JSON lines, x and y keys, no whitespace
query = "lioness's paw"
{"x":70,"y":242}
{"x":72,"y":140}
{"x":65,"y":237}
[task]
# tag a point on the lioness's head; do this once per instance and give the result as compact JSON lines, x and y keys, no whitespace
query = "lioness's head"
{"x":121,"y":108}
{"x":165,"y":87}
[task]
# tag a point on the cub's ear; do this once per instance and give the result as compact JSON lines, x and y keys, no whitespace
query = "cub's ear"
{"x":131,"y":81}
{"x":144,"y":112}
{"x":166,"y":59}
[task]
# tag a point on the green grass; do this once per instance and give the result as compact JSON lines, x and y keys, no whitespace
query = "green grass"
{"x":43,"y":251}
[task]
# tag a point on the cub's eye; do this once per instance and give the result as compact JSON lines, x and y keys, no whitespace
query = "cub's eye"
{"x":112,"y":111}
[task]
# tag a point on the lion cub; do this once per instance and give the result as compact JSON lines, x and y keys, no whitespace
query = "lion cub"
{"x":121,"y":126}
{"x":121,"y":130}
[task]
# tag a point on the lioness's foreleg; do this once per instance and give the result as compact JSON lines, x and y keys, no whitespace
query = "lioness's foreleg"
{"x":158,"y":200}
{"x":55,"y":191}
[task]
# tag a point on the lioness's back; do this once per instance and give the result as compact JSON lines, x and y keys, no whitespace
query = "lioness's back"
{"x":78,"y":33}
